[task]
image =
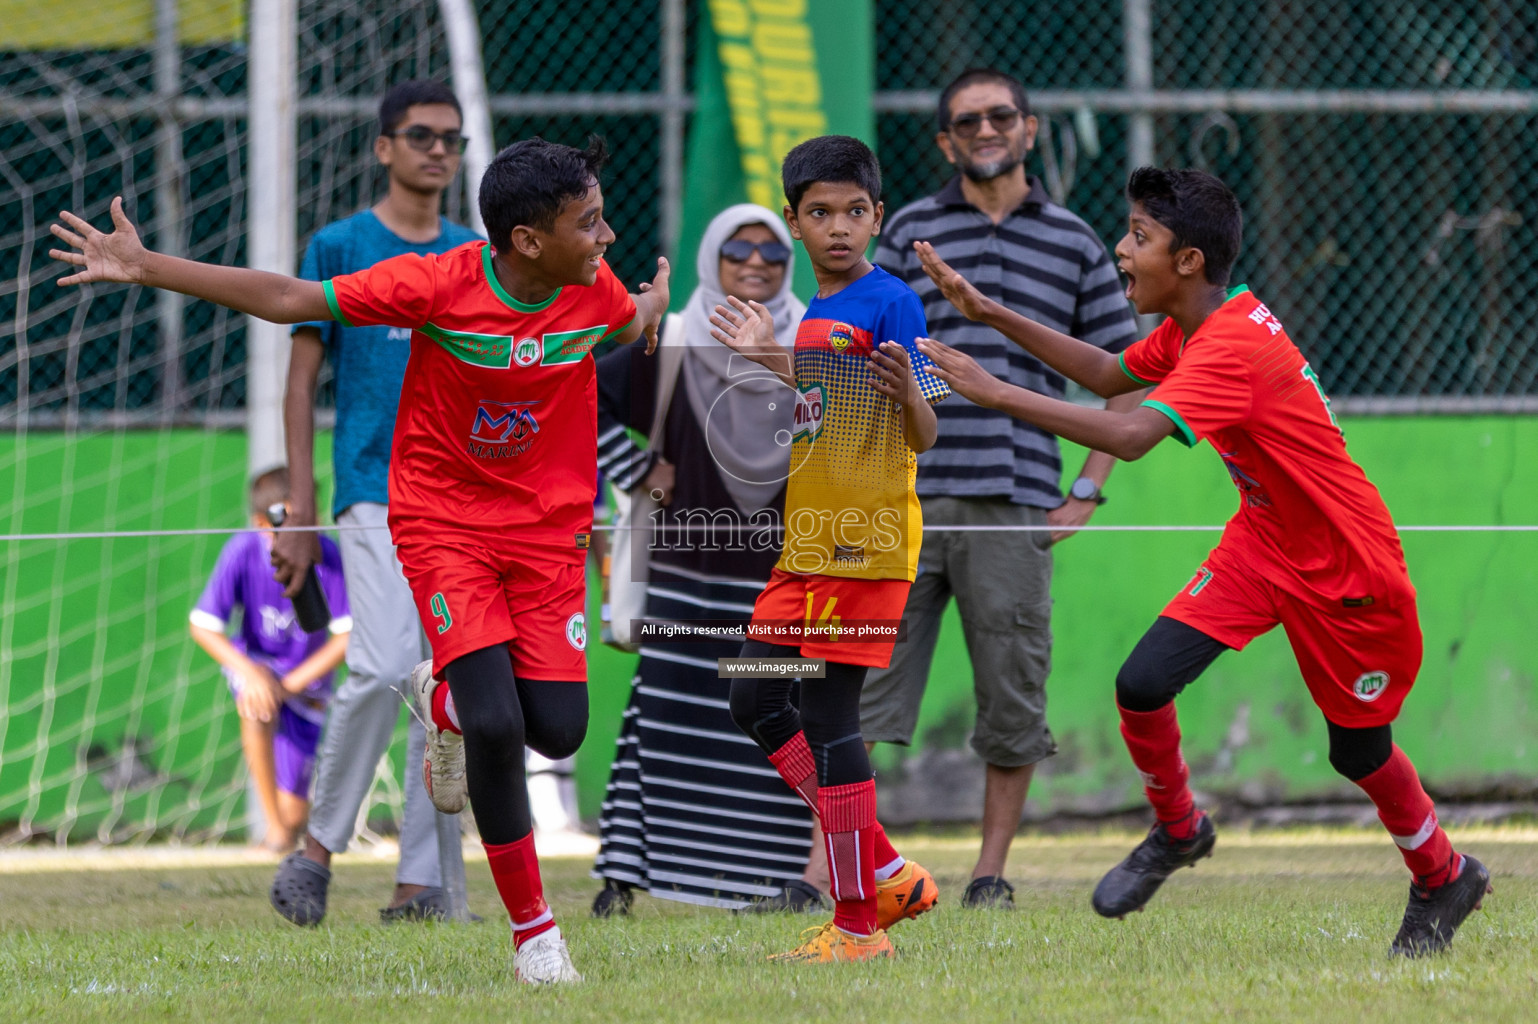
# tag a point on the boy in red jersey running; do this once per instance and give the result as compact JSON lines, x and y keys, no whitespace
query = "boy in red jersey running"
{"x":852,"y":532}
{"x":1312,"y":547}
{"x":492,"y":469}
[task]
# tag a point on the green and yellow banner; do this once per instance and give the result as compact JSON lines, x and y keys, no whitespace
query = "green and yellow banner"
{"x":768,"y":75}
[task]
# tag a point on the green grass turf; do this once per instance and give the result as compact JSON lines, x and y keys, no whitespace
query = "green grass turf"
{"x":1278,"y":926}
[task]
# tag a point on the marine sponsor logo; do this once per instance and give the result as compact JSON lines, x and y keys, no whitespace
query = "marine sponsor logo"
{"x":527,"y":352}
{"x":576,"y":631}
{"x":1369,"y":686}
{"x":399,"y":334}
{"x":807,"y":418}
{"x":502,"y":430}
{"x":840,"y":335}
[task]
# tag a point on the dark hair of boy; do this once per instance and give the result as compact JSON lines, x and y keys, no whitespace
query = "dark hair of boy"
{"x":400,"y":98}
{"x":269,"y":489}
{"x":528,"y":183}
{"x":838,"y":159}
{"x":1198,"y":209}
{"x":973,"y":76}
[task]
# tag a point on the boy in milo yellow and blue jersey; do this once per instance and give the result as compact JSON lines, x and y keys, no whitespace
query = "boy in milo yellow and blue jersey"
{"x":852,"y":533}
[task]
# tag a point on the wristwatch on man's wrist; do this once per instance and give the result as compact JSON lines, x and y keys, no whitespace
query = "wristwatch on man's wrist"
{"x":1085,"y":489}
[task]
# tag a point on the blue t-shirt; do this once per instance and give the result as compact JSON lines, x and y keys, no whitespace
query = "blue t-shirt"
{"x":369,"y":362}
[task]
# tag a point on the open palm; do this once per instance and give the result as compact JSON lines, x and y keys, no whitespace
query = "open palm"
{"x":957,"y":290}
{"x":116,"y":257}
{"x":745,"y":327}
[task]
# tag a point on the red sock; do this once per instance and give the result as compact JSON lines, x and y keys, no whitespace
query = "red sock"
{"x":1153,"y":740}
{"x":886,"y":853}
{"x":443,"y":712}
{"x":1411,"y":819}
{"x":796,"y":766}
{"x":515,"y":869}
{"x":849,"y":821}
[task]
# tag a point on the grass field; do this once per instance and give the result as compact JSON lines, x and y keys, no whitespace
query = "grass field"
{"x":1278,"y":926}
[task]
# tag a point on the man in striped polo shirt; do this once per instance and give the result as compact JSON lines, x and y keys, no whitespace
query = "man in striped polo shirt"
{"x":997,"y":226}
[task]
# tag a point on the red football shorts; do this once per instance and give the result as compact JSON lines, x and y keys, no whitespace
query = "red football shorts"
{"x":1359,"y":662}
{"x":850,"y":622}
{"x":476,"y":592}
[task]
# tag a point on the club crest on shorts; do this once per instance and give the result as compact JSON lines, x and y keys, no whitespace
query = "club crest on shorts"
{"x":1369,"y":686}
{"x":527,"y":352}
{"x":576,"y":631}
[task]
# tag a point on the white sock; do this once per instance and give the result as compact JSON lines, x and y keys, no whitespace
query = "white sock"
{"x":888,"y":870}
{"x":448,"y":708}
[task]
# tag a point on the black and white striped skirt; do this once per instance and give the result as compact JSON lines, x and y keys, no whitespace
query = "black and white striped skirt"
{"x":694,"y":811}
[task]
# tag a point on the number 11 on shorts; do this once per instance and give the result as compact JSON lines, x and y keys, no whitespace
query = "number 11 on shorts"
{"x":440,"y":609}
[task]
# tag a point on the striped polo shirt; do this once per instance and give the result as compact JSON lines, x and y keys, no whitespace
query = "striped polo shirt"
{"x":1043,"y":262}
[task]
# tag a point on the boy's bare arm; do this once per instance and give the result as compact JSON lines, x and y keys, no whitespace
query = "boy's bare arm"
{"x":747,"y":328}
{"x":294,"y":553}
{"x":1127,"y":436}
{"x":257,"y":698}
{"x":1092,"y":367}
{"x":318,"y":664}
{"x":651,"y":306}
{"x":894,"y":378}
{"x":120,"y":257}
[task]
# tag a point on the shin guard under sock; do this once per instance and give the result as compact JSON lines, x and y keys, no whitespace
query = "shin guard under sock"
{"x":1153,"y":740}
{"x":515,"y":869}
{"x":1411,"y":819}
{"x":849,"y":820}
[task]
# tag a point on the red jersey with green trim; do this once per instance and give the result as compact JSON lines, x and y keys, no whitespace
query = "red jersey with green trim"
{"x":1308,"y":516}
{"x":850,"y":509}
{"x":497,"y":428}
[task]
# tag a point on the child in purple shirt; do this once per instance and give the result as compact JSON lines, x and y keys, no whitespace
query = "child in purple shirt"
{"x":279,"y":675}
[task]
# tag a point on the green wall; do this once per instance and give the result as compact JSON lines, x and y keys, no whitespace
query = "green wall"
{"x":94,"y":654}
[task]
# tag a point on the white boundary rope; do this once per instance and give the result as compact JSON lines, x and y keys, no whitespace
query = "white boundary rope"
{"x":219,"y":531}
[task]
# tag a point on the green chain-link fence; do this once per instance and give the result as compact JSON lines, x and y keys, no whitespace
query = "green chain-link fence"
{"x":1379,"y":150}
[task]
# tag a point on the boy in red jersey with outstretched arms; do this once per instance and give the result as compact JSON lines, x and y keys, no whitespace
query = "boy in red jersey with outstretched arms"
{"x":1312,"y":547}
{"x":492,"y":470}
{"x":852,"y":532}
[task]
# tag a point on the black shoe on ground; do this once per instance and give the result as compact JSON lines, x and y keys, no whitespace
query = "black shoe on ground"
{"x":1434,"y":914}
{"x":1132,"y":883}
{"x":613,"y":900}
{"x":990,"y":892}
{"x":797,"y":897}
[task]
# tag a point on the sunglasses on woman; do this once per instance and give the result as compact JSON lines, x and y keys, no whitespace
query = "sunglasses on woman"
{"x":739,"y":251}
{"x":421,"y":138}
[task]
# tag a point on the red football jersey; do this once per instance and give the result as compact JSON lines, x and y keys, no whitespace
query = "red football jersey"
{"x":1308,"y":516}
{"x":497,"y":425}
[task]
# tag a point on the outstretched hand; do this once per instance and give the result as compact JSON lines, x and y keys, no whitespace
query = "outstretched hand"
{"x":116,"y":257}
{"x":963,"y":373}
{"x":657,"y":289}
{"x":747,"y":328}
{"x":957,"y":290}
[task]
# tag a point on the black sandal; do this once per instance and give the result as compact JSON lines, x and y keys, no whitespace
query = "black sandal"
{"x":299,"y":889}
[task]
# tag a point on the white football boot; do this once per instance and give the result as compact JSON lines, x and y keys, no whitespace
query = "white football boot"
{"x":543,"y":960}
{"x":443,"y":760}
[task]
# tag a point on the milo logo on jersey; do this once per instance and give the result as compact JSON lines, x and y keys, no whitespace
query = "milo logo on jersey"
{"x":806,"y":421}
{"x":502,"y":430}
